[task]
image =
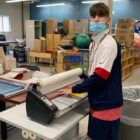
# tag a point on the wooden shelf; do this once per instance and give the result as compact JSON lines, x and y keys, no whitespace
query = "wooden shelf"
{"x":127,"y":58}
{"x":137,"y":59}
{"x":127,"y":63}
{"x":127,"y":66}
{"x":136,"y":65}
{"x":127,"y":76}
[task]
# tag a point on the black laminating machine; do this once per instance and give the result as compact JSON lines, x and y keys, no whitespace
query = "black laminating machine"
{"x":39,"y":108}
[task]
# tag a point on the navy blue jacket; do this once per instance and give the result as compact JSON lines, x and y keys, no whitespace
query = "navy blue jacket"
{"x":104,"y":94}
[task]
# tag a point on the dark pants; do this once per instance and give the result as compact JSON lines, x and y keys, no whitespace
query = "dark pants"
{"x":103,"y":130}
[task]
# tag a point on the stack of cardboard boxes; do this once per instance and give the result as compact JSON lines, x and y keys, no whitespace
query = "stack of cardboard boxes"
{"x":51,"y":25}
{"x":40,"y":45}
{"x":68,"y":25}
{"x":52,"y":41}
{"x":125,"y":32}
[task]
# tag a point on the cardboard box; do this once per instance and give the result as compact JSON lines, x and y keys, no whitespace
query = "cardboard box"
{"x":125,"y":32}
{"x":49,"y":42}
{"x":13,"y":64}
{"x":51,"y":25}
{"x":56,"y":41}
{"x":2,"y":56}
{"x":125,"y":41}
{"x":122,"y":38}
{"x":68,"y":25}
{"x":53,"y":40}
{"x":126,"y":23}
{"x":10,"y":63}
{"x":125,"y":37}
{"x":81,"y":26}
{"x":43,"y":45}
{"x":40,"y":45}
{"x":37,"y":45}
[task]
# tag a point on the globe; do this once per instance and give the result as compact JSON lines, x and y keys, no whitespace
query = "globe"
{"x":83,"y":41}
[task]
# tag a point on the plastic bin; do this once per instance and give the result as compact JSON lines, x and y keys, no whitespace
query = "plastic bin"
{"x":130,"y":120}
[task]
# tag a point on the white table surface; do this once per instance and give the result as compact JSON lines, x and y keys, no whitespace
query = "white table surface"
{"x":17,"y":117}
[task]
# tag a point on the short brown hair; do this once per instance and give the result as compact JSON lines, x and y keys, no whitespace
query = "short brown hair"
{"x":99,"y":9}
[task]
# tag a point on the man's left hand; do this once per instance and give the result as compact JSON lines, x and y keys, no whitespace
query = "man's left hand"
{"x":66,"y":90}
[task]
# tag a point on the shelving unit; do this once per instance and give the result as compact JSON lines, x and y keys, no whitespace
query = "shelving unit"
{"x":137,"y":58}
{"x":136,"y":62}
{"x":33,"y":31}
{"x":38,"y":29}
{"x":127,"y":63}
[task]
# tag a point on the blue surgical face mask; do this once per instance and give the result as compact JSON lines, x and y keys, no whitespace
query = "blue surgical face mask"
{"x":97,"y":27}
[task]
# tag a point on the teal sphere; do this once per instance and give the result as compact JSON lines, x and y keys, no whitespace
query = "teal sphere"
{"x":83,"y":41}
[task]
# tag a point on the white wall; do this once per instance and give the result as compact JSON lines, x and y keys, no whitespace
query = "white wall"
{"x":14,"y":11}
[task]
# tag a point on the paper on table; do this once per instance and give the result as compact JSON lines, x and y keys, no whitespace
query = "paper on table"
{"x":10,"y":75}
{"x":60,"y":105}
{"x":66,"y":100}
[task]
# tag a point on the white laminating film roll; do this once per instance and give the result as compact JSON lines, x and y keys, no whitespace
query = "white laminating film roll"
{"x":59,"y":77}
{"x":25,"y":134}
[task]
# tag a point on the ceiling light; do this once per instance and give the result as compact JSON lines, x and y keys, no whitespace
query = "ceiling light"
{"x":49,"y":5}
{"x":14,"y":1}
{"x":92,"y":1}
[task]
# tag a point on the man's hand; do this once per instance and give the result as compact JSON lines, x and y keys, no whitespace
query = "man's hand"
{"x":66,"y":90}
{"x":83,"y":76}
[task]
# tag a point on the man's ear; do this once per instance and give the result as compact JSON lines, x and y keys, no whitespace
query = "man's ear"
{"x":108,"y":21}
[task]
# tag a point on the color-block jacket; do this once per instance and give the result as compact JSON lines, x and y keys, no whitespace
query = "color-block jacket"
{"x":104,"y":84}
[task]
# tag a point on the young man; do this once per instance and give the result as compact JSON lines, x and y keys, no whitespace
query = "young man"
{"x":104,"y":81}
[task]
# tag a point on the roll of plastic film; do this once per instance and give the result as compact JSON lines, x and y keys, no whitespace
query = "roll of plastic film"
{"x":32,"y":136}
{"x":59,"y":77}
{"x":25,"y":134}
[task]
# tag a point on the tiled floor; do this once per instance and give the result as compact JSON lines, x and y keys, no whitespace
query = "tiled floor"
{"x":15,"y":134}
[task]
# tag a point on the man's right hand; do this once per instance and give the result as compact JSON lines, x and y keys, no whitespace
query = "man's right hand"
{"x":83,"y":76}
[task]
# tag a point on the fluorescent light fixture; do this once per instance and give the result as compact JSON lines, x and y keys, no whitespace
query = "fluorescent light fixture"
{"x":121,"y":0}
{"x":14,"y":1}
{"x":49,"y":5}
{"x":91,"y":1}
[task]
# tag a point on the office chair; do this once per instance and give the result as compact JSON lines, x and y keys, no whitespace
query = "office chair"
{"x":3,"y":44}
